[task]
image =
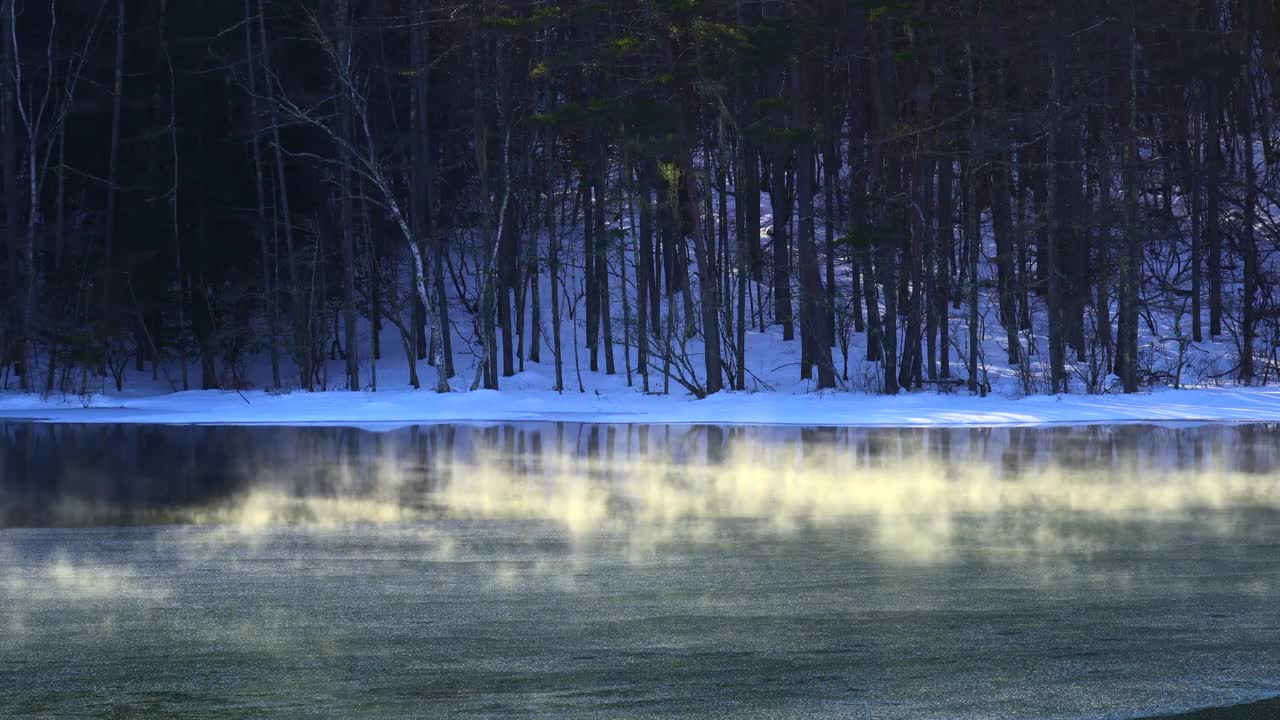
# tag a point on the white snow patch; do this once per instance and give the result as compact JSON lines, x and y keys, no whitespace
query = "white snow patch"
{"x":408,"y":407}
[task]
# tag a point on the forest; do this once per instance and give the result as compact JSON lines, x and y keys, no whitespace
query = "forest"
{"x":1082,"y":193}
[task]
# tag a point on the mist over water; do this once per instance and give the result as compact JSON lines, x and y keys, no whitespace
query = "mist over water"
{"x":626,"y":571}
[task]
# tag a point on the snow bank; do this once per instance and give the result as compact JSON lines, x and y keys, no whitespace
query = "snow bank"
{"x":408,"y":407}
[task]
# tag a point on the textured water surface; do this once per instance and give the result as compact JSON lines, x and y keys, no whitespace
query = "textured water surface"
{"x":608,"y":571}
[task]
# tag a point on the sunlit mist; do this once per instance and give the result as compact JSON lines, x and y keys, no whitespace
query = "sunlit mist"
{"x":910,"y":507}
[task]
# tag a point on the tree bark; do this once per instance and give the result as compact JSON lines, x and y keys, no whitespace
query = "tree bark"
{"x":1057,"y":371}
{"x":342,"y":28}
{"x":113,"y":155}
{"x":301,"y":307}
{"x":260,"y":226}
{"x":604,"y":307}
{"x":14,"y":350}
{"x":1132,"y":243}
{"x":553,"y":257}
{"x":1248,"y":240}
{"x":946,"y":250}
{"x":1212,"y":221}
{"x":971,"y":227}
{"x":812,"y":303}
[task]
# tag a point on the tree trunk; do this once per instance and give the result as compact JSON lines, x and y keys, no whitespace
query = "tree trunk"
{"x":1212,"y":221}
{"x":946,"y":250}
{"x":886,"y":266}
{"x":811,"y":302}
{"x":301,"y":310}
{"x":1132,"y":243}
{"x":604,"y":308}
{"x":180,"y":295}
{"x":1002,"y":228}
{"x":706,"y":288}
{"x":113,"y":155}
{"x":1057,"y":370}
{"x":644,"y":267}
{"x":590,"y":275}
{"x":1248,"y":241}
{"x":909,"y":366}
{"x":16,"y":351}
{"x":436,"y":238}
{"x":930,"y":271}
{"x":971,"y":227}
{"x":260,"y":226}
{"x":780,"y":200}
{"x":1194,"y":181}
{"x":740,"y":332}
{"x":342,"y":27}
{"x":831,"y":178}
{"x":506,"y":284}
{"x":532,"y":271}
{"x":553,"y":257}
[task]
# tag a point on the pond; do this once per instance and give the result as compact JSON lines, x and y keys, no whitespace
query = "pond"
{"x":620,"y":571}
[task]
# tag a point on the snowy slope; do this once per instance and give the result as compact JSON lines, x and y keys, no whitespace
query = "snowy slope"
{"x":775,"y":393}
{"x":403,"y":407}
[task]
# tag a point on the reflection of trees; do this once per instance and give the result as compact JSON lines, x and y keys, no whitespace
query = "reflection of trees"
{"x":54,"y":474}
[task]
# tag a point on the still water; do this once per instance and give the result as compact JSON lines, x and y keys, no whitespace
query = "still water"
{"x":577,"y":570}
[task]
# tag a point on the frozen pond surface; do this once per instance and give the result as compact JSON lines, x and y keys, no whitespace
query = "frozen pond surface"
{"x":576,"y":570}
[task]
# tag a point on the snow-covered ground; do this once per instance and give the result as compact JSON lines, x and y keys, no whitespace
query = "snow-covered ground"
{"x":775,"y":393}
{"x":623,"y":405}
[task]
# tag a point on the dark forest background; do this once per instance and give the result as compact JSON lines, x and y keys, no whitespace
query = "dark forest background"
{"x":202,"y":183}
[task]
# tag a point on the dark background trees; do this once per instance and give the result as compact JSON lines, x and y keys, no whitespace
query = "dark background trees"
{"x":1076,"y":184}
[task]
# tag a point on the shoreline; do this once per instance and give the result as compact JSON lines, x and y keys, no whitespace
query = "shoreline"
{"x":403,"y":408}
